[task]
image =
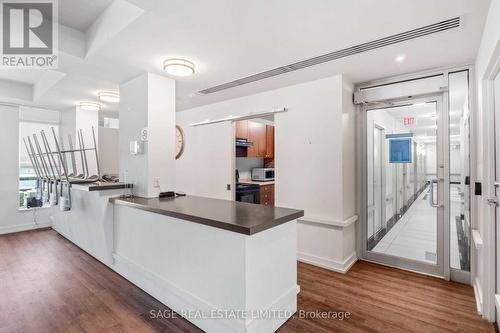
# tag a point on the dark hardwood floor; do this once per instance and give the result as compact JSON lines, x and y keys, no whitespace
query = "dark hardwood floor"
{"x":47,"y":284}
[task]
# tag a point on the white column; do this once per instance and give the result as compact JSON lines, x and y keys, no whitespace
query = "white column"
{"x":148,"y":101}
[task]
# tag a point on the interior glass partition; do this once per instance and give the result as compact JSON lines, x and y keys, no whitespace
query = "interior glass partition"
{"x":402,"y":181}
{"x":459,"y":159}
{"x":416,"y":209}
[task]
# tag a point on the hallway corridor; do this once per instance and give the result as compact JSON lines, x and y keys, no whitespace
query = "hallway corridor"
{"x":414,"y":235}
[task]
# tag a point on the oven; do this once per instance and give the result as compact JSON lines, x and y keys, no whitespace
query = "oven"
{"x":248,"y":193}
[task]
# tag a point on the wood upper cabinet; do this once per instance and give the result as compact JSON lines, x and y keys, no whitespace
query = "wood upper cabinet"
{"x":256,"y":135}
{"x":242,"y":129}
{"x":261,"y":135}
{"x":269,"y":141}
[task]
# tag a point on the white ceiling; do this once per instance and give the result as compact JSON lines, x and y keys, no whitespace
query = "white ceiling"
{"x":80,"y":14}
{"x":229,"y":39}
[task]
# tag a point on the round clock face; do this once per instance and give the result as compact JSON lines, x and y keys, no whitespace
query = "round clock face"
{"x":179,"y":141}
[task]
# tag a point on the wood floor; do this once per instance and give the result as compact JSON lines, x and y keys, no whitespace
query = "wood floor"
{"x":49,"y":285}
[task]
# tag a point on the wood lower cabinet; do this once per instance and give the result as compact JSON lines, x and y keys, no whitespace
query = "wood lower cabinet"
{"x":267,"y":195}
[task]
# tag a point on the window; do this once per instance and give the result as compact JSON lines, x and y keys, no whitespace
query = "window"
{"x":28,"y":181}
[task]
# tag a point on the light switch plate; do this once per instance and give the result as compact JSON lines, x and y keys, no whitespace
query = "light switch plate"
{"x":135,"y":147}
{"x":156,"y":182}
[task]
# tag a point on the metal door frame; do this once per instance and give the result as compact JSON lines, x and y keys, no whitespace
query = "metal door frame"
{"x":450,"y":273}
{"x":443,"y":192}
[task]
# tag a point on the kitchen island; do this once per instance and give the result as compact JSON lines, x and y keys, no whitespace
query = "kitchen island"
{"x":225,"y":266}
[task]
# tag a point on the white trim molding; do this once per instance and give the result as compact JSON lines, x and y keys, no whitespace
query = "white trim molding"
{"x":24,"y":227}
{"x":343,"y":224}
{"x":477,"y":239}
{"x":330,"y":264}
{"x":478,"y":293}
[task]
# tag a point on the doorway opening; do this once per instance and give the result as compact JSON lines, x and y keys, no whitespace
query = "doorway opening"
{"x":254,"y":160}
{"x":402,"y":175}
{"x":416,"y":173}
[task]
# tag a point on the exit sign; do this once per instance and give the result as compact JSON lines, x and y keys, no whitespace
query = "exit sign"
{"x":409,"y":121}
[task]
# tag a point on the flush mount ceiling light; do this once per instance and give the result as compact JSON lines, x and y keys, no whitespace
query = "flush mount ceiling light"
{"x":90,"y":106}
{"x":109,"y":96}
{"x":400,"y":58}
{"x":178,"y":67}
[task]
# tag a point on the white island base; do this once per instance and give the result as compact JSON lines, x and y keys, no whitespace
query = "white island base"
{"x":222,"y":281}
{"x":236,"y":274}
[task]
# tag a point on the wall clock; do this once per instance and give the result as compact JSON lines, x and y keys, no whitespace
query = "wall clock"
{"x":179,"y":141}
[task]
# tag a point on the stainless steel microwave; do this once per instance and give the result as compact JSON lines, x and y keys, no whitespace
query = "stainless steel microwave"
{"x":263,"y":174}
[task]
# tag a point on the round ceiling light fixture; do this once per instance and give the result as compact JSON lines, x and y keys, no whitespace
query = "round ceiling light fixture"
{"x":109,"y":96}
{"x":90,"y":106}
{"x":400,"y":58}
{"x":178,"y":67}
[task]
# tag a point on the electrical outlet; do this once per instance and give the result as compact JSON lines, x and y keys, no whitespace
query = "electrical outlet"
{"x":156,"y":182}
{"x":228,"y":187}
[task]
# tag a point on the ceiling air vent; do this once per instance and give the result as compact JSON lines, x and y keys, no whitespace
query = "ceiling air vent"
{"x":394,"y":39}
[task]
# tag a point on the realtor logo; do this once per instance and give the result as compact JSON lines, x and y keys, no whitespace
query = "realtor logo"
{"x":29,"y":33}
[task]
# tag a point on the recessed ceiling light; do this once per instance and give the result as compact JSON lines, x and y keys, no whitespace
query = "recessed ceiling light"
{"x":400,"y":58}
{"x":90,"y":106}
{"x":178,"y":67}
{"x":109,"y":96}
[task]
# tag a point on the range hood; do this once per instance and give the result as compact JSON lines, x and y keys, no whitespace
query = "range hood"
{"x":243,"y":143}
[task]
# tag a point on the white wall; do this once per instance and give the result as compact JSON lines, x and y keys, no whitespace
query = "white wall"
{"x":483,"y":258}
{"x":246,"y":164}
{"x":109,"y":153}
{"x":85,"y":121}
{"x":68,"y":127}
{"x":314,"y":149}
{"x":148,"y":101}
{"x":11,"y":219}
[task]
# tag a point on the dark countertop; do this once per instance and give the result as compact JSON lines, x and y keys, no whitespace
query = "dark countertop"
{"x":249,"y":181}
{"x":240,"y":217}
{"x":98,"y":186}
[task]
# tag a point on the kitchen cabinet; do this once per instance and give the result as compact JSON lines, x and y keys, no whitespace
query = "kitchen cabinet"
{"x":261,"y":136}
{"x":267,"y":195}
{"x":269,"y":141}
{"x":256,"y":135}
{"x":242,"y":129}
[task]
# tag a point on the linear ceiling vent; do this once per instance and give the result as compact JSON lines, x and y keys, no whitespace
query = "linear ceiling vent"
{"x":394,"y":39}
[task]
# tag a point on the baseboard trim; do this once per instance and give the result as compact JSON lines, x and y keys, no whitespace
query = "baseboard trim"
{"x":478,"y":295}
{"x":341,"y":224}
{"x":24,"y":227}
{"x":180,"y":300}
{"x":333,"y":265}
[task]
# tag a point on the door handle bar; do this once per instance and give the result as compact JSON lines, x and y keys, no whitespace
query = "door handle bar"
{"x":431,"y":194}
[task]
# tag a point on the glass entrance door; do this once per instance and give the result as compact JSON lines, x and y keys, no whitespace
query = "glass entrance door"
{"x":406,"y":184}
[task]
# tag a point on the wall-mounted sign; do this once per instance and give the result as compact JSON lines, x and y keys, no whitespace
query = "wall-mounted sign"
{"x":400,"y":150}
{"x":409,"y":121}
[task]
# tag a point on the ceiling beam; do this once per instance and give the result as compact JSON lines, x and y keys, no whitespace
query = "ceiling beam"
{"x":110,"y":23}
{"x":13,"y":91}
{"x":48,"y":80}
